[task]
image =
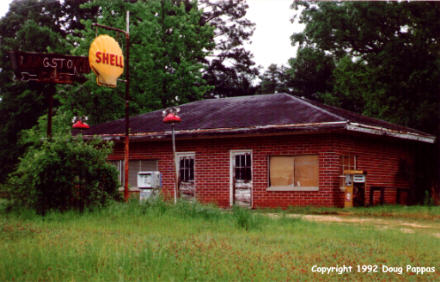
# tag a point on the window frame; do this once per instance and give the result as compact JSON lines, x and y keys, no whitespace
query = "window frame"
{"x":190,"y":155}
{"x":244,"y":176}
{"x":291,"y":187}
{"x":352,"y":157}
{"x":120,"y":166}
{"x":232,"y":154}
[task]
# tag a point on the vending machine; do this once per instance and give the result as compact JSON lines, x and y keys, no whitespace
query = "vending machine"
{"x":353,"y":185}
{"x":149,"y":184}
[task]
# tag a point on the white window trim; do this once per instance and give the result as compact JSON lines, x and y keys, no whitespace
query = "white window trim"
{"x":186,"y":154}
{"x":232,"y":154}
{"x":191,"y":155}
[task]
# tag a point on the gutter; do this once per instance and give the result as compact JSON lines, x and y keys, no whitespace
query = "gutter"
{"x":347,"y":125}
{"x":213,"y":131}
{"x":381,"y":131}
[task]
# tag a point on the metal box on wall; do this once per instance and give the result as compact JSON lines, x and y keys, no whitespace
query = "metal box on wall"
{"x":148,"y":179}
{"x":149,"y":182}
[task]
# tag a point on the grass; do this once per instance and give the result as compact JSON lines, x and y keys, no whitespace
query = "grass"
{"x":159,"y":241}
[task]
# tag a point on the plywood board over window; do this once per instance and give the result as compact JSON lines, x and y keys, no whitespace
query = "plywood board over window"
{"x":306,"y":171}
{"x":281,"y":171}
{"x":294,"y":173}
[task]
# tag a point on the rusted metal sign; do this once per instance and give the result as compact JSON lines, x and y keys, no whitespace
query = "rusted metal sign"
{"x":49,"y":68}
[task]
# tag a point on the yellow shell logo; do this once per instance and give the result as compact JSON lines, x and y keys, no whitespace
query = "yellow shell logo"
{"x":106,"y":60}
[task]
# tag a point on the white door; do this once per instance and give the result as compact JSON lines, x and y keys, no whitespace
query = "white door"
{"x":185,"y":167}
{"x":241,"y":178}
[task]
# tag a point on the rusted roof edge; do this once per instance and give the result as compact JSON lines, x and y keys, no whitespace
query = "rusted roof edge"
{"x":376,"y":130}
{"x":349,"y":126}
{"x":161,"y":134}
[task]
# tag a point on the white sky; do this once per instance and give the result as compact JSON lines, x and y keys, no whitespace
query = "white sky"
{"x":271,"y":38}
{"x":4,"y":7}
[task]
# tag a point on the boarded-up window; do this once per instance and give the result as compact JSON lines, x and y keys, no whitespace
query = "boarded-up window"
{"x":281,"y":171}
{"x":296,"y":171}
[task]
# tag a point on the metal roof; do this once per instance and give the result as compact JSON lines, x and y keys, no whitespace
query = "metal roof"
{"x":254,"y":114}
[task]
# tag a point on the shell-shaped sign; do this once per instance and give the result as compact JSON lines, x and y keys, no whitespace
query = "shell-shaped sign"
{"x":106,"y":60}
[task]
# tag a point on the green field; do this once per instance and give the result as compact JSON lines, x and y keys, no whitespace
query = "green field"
{"x":159,"y":241}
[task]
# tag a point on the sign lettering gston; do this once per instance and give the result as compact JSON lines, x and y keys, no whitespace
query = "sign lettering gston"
{"x":49,"y":68}
{"x":106,"y":60}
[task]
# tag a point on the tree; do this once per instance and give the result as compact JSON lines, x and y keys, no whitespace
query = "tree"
{"x":167,"y":46}
{"x":388,"y":50}
{"x":21,"y":103}
{"x":352,"y":85}
{"x":37,"y":26}
{"x":230,"y":68}
{"x":387,"y":62}
{"x":310,"y":73}
{"x":274,"y":80}
{"x":64,"y":173}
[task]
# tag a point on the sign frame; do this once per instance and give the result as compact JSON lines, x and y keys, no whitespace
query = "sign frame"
{"x":49,"y":67}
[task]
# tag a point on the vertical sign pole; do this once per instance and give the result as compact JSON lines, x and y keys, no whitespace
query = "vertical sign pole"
{"x":49,"y":117}
{"x":127,"y":98}
{"x":175,"y":163}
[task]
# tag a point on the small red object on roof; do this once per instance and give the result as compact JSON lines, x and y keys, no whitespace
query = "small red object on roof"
{"x":80,"y":125}
{"x":169,"y":118}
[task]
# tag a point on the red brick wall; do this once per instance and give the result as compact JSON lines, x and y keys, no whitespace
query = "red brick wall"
{"x":379,"y":157}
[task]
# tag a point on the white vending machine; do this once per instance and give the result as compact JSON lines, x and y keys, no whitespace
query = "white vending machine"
{"x":149,"y":184}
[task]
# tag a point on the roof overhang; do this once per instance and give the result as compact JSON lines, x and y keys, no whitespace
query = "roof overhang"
{"x":229,"y":132}
{"x":375,"y":130}
{"x":304,"y":128}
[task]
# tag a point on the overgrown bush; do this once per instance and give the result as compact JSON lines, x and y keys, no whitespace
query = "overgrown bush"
{"x":64,"y":173}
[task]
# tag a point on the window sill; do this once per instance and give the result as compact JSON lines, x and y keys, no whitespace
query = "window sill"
{"x":290,"y":188}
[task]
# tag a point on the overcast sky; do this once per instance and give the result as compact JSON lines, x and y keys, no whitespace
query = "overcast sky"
{"x":271,"y":39}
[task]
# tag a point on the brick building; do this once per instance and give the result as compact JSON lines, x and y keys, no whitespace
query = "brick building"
{"x":272,"y":150}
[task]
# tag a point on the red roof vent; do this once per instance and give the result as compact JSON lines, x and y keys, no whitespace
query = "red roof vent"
{"x":80,"y":125}
{"x":171,"y":117}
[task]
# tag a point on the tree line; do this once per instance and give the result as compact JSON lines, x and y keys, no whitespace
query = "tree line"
{"x":378,"y":59}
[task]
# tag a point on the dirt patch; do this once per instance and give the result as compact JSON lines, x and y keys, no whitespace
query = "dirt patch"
{"x":416,"y":225}
{"x":402,"y":225}
{"x":407,"y":230}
